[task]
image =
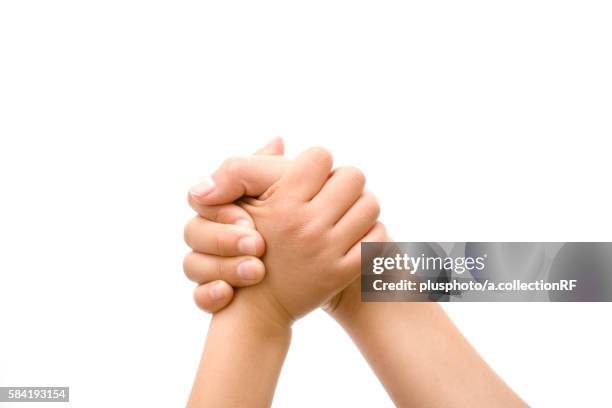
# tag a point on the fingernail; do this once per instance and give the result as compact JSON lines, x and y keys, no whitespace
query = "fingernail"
{"x":247,"y":270}
{"x":243,"y":222}
{"x":246,"y":245}
{"x":216,"y":290}
{"x":203,"y":188}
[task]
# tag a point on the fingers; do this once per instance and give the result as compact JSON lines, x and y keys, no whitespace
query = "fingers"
{"x":352,"y":259}
{"x":237,"y":271}
{"x":357,"y":221}
{"x":240,"y":176}
{"x":275,"y":147}
{"x":339,"y":193}
{"x":220,"y":267}
{"x":307,"y":174}
{"x":222,"y":214}
{"x":213,"y":296}
{"x":213,"y":238}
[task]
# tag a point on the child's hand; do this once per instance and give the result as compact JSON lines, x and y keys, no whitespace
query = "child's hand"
{"x":222,"y":233}
{"x":313,"y":223}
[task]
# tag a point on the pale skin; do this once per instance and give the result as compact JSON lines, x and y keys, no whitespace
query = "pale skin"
{"x":415,"y":350}
{"x":313,"y":222}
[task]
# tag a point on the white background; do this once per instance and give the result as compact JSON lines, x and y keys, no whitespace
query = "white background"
{"x":473,"y":120}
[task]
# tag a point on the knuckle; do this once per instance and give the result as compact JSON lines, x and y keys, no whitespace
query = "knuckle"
{"x":312,"y":236}
{"x":187,"y":265}
{"x":219,"y":270}
{"x":302,"y":224}
{"x":224,"y":214}
{"x":355,"y":175}
{"x":321,"y":155}
{"x":312,"y":232}
{"x":231,"y":213}
{"x":221,"y":244}
{"x":233,"y":166}
{"x":302,"y":229}
{"x":372,"y":206}
{"x":287,"y":209}
{"x":200,"y":299}
{"x":188,"y":231}
{"x":225,"y":239}
{"x":293,"y":227}
{"x":191,"y":201}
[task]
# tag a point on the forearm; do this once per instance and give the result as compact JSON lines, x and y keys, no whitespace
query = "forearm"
{"x":242,"y":360}
{"x":420,"y":357}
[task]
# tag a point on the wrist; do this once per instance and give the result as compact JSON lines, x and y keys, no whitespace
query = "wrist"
{"x":242,"y":359}
{"x":258,"y":313}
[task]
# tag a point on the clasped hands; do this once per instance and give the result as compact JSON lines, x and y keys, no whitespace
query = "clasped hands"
{"x":287,"y":233}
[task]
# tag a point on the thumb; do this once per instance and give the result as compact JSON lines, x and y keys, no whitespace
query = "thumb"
{"x":240,"y":176}
{"x":235,"y":178}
